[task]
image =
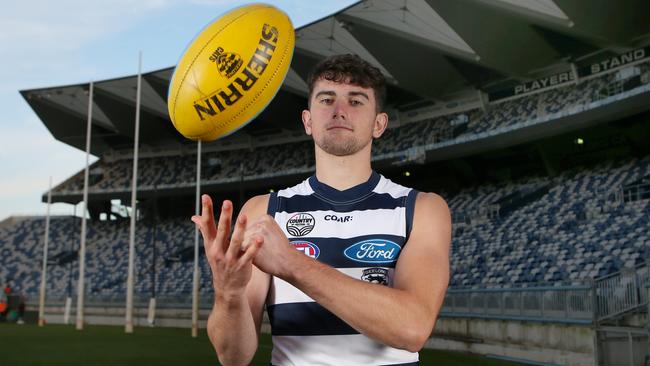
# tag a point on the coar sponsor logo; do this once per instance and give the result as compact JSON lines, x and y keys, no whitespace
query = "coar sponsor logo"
{"x":310,"y":249}
{"x":300,"y":224}
{"x":373,"y":251}
{"x":346,"y":218}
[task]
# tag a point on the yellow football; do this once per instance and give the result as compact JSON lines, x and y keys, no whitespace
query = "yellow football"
{"x":230,"y":72}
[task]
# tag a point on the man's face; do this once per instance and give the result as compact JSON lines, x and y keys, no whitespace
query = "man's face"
{"x":342,"y":118}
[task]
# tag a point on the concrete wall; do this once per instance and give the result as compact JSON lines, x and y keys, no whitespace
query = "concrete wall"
{"x":549,"y":343}
{"x":177,"y":318}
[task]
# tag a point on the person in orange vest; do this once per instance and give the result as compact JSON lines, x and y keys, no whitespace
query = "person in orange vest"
{"x":3,"y":304}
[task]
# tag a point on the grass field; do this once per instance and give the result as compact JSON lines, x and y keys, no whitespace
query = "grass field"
{"x":22,"y":345}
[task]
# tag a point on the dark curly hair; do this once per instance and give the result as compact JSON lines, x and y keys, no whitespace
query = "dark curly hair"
{"x":350,"y":69}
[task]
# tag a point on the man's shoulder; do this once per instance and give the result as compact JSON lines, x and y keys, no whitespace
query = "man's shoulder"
{"x":256,"y":206}
{"x":429,"y":202}
{"x":431,"y":214}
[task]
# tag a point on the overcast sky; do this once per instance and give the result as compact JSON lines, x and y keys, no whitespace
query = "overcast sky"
{"x":51,"y":43}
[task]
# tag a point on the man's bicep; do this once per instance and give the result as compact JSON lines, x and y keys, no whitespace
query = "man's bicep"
{"x":423,"y":265}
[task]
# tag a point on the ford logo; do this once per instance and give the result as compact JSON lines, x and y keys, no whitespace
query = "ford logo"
{"x":373,"y":251}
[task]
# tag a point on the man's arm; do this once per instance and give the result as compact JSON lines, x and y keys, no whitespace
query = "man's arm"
{"x":240,"y":288}
{"x":402,"y":316}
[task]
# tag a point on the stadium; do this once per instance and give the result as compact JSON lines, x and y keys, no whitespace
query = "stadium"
{"x":528,"y":117}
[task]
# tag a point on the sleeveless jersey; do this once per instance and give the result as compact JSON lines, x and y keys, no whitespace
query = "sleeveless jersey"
{"x":360,"y":232}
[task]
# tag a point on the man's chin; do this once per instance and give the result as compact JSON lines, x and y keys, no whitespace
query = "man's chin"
{"x":340,"y":149}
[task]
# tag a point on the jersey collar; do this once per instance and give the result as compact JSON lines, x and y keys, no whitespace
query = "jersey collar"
{"x":351,"y":194}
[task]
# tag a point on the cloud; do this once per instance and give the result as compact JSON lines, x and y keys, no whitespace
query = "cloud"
{"x":28,"y":158}
{"x":68,"y":24}
{"x":218,"y":3}
{"x":39,"y":38}
{"x":47,"y":43}
{"x":30,"y":154}
{"x":23,"y":139}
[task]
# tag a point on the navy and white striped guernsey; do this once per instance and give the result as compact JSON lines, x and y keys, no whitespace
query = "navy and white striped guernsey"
{"x":360,"y":232}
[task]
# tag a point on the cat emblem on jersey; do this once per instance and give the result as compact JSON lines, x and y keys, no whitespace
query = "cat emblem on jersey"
{"x":376,"y":275}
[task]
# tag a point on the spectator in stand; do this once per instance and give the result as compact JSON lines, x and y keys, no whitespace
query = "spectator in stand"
{"x":4,"y":302}
{"x":3,"y":306}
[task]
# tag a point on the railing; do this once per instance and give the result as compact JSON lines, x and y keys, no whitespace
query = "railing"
{"x":602,"y":299}
{"x":621,"y":292}
{"x":177,"y":301}
{"x":565,"y":304}
{"x":636,"y":192}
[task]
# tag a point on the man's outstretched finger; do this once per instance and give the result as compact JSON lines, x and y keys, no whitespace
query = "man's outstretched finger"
{"x":207,"y":216}
{"x":223,"y":229}
{"x":205,"y":221}
{"x":237,"y":238}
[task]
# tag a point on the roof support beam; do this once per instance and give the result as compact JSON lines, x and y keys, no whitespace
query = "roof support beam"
{"x":131,"y":102}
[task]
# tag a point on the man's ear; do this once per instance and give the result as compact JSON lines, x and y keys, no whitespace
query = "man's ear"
{"x":381,"y":122}
{"x":306,"y":121}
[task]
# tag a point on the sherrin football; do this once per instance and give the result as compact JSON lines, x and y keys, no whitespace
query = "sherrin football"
{"x":230,"y":72}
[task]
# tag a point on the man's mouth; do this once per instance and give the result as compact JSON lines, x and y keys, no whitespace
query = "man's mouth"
{"x":337,"y":127}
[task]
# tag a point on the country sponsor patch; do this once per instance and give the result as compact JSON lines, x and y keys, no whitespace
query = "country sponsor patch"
{"x":300,"y":224}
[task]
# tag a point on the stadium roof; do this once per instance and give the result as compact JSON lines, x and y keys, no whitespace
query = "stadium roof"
{"x":432,"y":51}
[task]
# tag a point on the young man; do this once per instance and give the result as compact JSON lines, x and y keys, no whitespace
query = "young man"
{"x":352,"y":267}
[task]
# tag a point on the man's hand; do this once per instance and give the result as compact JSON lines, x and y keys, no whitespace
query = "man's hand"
{"x":276,"y":253}
{"x":231,"y":265}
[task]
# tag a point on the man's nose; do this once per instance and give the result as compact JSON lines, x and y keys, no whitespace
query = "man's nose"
{"x":339,"y":110}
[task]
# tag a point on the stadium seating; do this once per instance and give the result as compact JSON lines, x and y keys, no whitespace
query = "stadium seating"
{"x":566,"y":229}
{"x":266,"y":161}
{"x":106,"y":257}
{"x":177,"y":171}
{"x":580,"y":229}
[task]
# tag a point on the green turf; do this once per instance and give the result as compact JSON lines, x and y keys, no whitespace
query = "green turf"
{"x":22,"y":345}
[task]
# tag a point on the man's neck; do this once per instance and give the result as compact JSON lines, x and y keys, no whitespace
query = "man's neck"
{"x":343,"y":172}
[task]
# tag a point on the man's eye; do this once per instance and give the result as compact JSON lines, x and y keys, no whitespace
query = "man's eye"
{"x":327,"y":100}
{"x":355,"y":102}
